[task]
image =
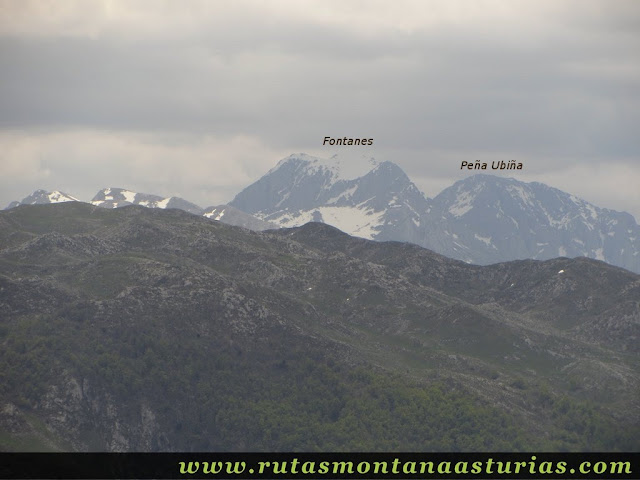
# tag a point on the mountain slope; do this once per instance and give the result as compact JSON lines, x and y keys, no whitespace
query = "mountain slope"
{"x":232,"y":216}
{"x":150,"y":329}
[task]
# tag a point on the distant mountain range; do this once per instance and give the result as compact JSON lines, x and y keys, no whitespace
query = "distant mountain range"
{"x":120,"y":197}
{"x":482,"y":219}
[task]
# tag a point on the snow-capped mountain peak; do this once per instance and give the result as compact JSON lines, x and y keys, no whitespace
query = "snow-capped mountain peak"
{"x":486,"y":219}
{"x":338,"y":167}
{"x":120,"y":197}
{"x":351,"y":167}
{"x":40,"y":197}
{"x":360,"y":196}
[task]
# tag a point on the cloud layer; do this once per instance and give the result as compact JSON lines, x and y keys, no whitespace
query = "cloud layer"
{"x":201,"y":98}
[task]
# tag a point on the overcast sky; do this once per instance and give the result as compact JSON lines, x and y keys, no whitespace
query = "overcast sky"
{"x":200,"y":98}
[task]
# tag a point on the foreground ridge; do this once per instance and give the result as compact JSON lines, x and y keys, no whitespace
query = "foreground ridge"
{"x":148,"y":329}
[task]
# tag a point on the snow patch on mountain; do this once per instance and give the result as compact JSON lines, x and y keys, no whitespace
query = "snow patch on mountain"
{"x":485,"y":240}
{"x":129,"y":196}
{"x":232,"y":216}
{"x":163,"y":203}
{"x":59,"y":197}
{"x":215,"y":213}
{"x":359,"y":222}
{"x":463,"y":203}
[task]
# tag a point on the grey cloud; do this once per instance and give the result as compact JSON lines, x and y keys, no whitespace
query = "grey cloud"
{"x":160,"y":86}
{"x":561,"y":90}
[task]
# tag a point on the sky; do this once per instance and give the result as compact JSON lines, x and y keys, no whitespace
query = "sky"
{"x":199,"y":99}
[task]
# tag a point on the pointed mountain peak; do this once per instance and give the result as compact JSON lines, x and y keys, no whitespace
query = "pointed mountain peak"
{"x":293,"y":159}
{"x":338,"y":167}
{"x":485,"y":219}
{"x":357,"y":194}
{"x":484,"y":187}
{"x":303,"y":182}
{"x":389,"y":168}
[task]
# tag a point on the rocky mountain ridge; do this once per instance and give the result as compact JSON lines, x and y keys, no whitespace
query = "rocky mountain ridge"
{"x":121,"y":197}
{"x":482,"y":219}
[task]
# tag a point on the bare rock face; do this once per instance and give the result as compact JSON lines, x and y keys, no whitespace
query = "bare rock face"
{"x":82,"y":417}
